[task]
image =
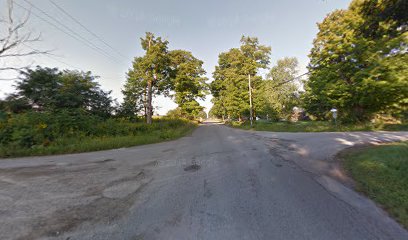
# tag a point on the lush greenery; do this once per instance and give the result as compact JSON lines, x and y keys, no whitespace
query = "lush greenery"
{"x":381,"y":173}
{"x":278,"y":94}
{"x":237,"y":84}
{"x":55,"y":111}
{"x":359,"y":62}
{"x":68,"y":131}
{"x":179,"y":113}
{"x":50,"y":90}
{"x":358,"y":65}
{"x":317,"y":126}
{"x":235,"y":74}
{"x":161,"y":71}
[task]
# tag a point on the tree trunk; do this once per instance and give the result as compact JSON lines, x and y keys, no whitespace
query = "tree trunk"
{"x":145,"y":103}
{"x":149,"y":102}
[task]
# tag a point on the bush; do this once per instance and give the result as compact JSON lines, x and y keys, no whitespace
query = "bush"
{"x":40,"y":132}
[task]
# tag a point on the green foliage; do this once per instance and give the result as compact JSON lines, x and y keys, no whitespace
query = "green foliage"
{"x":230,"y":87}
{"x":149,"y":75}
{"x":50,"y":90}
{"x":381,"y":173}
{"x":14,"y":104}
{"x":35,"y":128}
{"x":160,"y":71}
{"x":188,"y":82}
{"x":34,"y":133}
{"x":278,"y":94}
{"x":317,"y":126}
{"x":175,"y":113}
{"x":359,"y":63}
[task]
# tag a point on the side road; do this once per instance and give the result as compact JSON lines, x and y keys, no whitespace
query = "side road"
{"x":315,"y":154}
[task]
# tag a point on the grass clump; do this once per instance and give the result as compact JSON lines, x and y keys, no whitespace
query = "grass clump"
{"x":33,"y":133}
{"x":316,"y":126}
{"x":381,"y":173}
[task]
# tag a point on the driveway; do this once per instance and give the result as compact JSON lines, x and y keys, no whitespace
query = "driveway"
{"x":218,"y":183}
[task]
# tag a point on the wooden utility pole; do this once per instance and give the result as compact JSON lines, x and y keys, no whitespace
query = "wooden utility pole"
{"x":250,"y":98}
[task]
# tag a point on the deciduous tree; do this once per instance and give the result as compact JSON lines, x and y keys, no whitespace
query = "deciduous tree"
{"x":358,"y":63}
{"x":188,"y":82}
{"x":236,"y":68}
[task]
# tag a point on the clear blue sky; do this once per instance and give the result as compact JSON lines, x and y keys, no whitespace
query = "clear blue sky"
{"x":204,"y":27}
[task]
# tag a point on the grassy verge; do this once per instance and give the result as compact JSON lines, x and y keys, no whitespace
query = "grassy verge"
{"x":95,"y":143}
{"x":317,"y":126}
{"x":381,"y":173}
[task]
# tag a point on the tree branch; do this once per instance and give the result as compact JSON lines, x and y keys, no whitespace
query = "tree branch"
{"x":12,"y":41}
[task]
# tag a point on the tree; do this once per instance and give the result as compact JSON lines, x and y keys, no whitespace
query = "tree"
{"x":279,"y":91}
{"x":135,"y":92}
{"x":15,"y":37}
{"x":230,"y":86}
{"x":41,"y":87}
{"x":14,"y":104}
{"x":48,"y":89}
{"x":188,"y":82}
{"x":175,"y":113}
{"x":257,"y":56}
{"x":150,"y":74}
{"x":161,"y":71}
{"x":218,"y":109}
{"x":236,"y":77}
{"x":358,"y":61}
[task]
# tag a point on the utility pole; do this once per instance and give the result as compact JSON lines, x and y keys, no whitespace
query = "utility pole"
{"x":250,"y":98}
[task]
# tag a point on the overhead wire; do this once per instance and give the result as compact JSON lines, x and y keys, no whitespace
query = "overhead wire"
{"x":70,"y":32}
{"x":86,"y":29}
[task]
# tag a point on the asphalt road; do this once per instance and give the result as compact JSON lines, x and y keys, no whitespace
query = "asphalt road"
{"x":218,"y":183}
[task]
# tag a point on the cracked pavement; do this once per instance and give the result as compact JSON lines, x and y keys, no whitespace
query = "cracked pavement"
{"x":218,"y":183}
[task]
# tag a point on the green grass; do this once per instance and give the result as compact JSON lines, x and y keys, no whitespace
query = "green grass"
{"x":317,"y":126}
{"x":381,"y":173}
{"x":86,"y":144}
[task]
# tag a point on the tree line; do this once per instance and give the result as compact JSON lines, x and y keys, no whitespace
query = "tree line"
{"x":358,"y":65}
{"x":359,"y":62}
{"x":237,"y":82}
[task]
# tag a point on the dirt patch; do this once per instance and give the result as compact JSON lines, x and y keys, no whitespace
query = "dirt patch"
{"x":35,"y":171}
{"x":51,"y":169}
{"x":100,"y":210}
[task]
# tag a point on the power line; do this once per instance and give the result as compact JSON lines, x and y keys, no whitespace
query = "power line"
{"x":73,"y":34}
{"x":84,"y":27}
{"x":292,"y":79}
{"x":69,"y":29}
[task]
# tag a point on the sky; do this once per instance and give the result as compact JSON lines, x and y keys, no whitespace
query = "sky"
{"x":206,"y":28}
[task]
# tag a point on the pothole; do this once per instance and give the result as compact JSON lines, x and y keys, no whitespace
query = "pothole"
{"x":278,"y":165}
{"x":107,"y":160}
{"x":192,"y":168}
